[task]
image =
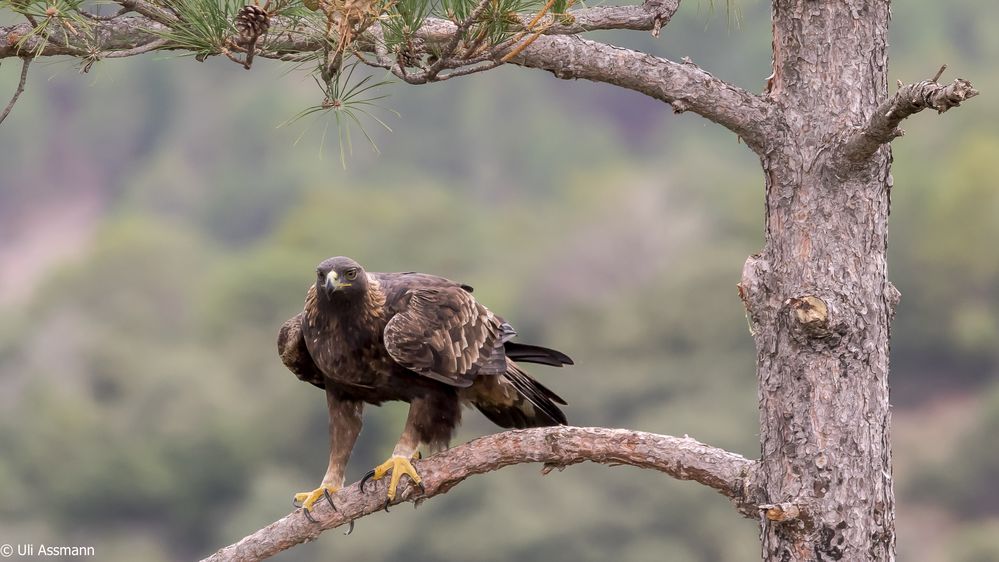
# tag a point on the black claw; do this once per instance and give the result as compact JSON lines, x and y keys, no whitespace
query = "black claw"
{"x":294,"y":502}
{"x":308,"y":515}
{"x":350,"y":529}
{"x":422,"y":489}
{"x":329,"y":498}
{"x":368,"y":476}
{"x":386,"y":506}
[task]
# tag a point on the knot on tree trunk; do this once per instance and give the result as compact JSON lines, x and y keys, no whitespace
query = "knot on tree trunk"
{"x":810,"y":318}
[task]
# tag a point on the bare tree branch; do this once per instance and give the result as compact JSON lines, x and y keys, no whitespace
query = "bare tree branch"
{"x":682,"y":458}
{"x":910,"y":99}
{"x":20,"y":89}
{"x":683,"y":85}
{"x":650,"y":16}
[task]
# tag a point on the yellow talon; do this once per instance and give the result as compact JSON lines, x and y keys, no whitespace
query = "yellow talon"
{"x":398,"y":466}
{"x":309,"y":499}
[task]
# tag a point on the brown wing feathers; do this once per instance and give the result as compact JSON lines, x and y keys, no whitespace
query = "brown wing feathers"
{"x":294,"y":354}
{"x":443,"y":333}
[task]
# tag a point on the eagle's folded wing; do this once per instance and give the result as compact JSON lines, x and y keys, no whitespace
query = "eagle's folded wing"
{"x":295,"y":355}
{"x":445,"y":334}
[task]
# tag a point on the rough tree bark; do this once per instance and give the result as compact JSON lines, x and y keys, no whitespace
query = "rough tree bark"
{"x":818,"y":295}
{"x":818,"y":298}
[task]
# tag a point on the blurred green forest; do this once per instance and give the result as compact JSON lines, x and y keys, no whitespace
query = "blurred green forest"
{"x":156,"y":228}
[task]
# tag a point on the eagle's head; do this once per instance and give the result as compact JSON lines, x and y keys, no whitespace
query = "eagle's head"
{"x":341,"y":278}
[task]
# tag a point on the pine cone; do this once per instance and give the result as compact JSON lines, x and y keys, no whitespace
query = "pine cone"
{"x":252,"y":21}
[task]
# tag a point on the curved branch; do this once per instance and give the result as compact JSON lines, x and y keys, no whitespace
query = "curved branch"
{"x":910,"y":99}
{"x":682,"y":458}
{"x":683,"y":85}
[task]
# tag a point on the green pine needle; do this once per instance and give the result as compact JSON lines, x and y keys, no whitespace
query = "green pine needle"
{"x":203,"y":25}
{"x":404,"y":18}
{"x":346,"y":102}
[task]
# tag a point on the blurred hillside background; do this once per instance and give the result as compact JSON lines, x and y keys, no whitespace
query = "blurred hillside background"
{"x":156,"y":228}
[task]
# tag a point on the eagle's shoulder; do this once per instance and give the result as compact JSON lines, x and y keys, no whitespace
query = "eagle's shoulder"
{"x":398,"y":287}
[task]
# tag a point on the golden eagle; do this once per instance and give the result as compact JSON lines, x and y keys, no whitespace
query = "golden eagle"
{"x":374,"y":337}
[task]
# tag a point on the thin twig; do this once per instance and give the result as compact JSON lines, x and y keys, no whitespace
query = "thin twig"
{"x":468,"y":70}
{"x":25,"y":62}
{"x":141,"y":49}
{"x":96,"y":17}
{"x":939,"y":73}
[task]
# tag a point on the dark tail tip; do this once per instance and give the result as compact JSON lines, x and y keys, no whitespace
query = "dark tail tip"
{"x":536,"y":354}
{"x":536,"y":405}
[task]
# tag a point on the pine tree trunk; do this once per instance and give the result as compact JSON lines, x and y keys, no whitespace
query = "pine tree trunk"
{"x":818,"y":296}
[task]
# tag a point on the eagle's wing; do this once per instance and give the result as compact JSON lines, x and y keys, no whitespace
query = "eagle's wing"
{"x":443,"y":333}
{"x":295,"y":355}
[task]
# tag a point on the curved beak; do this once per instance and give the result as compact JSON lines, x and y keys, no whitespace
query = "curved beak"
{"x":332,"y":282}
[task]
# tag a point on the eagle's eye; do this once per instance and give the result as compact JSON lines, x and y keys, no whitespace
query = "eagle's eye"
{"x":351,"y":274}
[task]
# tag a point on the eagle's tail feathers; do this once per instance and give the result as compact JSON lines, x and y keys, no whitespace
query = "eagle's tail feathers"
{"x":535,"y":405}
{"x":536,"y":354}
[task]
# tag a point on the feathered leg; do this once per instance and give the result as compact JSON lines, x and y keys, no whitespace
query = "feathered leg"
{"x":345,"y":425}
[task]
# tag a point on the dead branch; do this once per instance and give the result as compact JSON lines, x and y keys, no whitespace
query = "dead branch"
{"x":910,"y":99}
{"x":682,"y":458}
